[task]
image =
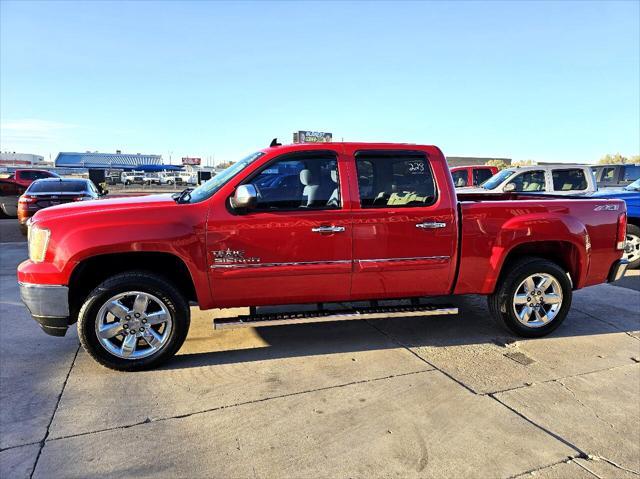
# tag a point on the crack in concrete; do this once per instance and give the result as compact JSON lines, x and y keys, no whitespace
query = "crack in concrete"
{"x":55,"y":410}
{"x":579,"y":401}
{"x":408,"y":348}
{"x":614,"y":464}
{"x":547,"y":381}
{"x":542,"y":468}
{"x":218,"y":408}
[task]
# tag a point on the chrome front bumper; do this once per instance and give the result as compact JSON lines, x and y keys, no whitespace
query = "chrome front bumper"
{"x":617,"y":270}
{"x":48,"y":305}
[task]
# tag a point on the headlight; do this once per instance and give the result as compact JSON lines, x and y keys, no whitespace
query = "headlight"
{"x":38,"y":242}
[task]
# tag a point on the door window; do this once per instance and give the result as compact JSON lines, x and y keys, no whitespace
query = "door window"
{"x":567,"y":180}
{"x":459,"y":178}
{"x":631,"y":173}
{"x":307,"y":181}
{"x":608,"y":175}
{"x":529,"y":181}
{"x":394,"y":179}
{"x":480,"y":175}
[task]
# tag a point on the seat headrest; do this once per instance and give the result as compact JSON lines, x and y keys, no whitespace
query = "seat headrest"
{"x":306,"y":178}
{"x":334,"y":176}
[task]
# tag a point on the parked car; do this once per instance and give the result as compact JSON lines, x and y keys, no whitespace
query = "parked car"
{"x":466,"y":176}
{"x":151,"y":179}
{"x":126,"y":269}
{"x":10,"y":191}
{"x":170,"y":178}
{"x":616,"y":176}
{"x":14,"y":184}
{"x":26,"y":176}
{"x":113,"y":178}
{"x":557,"y":180}
{"x":53,"y":191}
{"x":132,"y":177}
{"x":631,"y":196}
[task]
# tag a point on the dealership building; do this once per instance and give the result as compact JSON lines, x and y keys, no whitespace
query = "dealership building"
{"x":118,"y":160}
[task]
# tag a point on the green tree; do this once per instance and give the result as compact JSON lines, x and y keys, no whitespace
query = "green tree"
{"x":614,"y":159}
{"x":499,"y":163}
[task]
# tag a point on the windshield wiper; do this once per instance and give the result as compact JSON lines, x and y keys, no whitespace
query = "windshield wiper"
{"x":184,"y":196}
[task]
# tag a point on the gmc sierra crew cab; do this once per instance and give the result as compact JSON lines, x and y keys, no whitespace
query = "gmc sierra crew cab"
{"x":332,"y":224}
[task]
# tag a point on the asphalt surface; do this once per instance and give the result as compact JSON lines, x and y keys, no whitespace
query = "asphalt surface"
{"x":451,"y":396}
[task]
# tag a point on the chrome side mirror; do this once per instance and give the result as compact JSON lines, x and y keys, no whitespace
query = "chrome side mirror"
{"x":509,"y":187}
{"x":245,"y":197}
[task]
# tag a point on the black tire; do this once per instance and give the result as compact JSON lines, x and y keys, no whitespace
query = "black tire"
{"x":133,"y":281}
{"x":502,"y":300}
{"x":127,"y":183}
{"x":633,"y":231}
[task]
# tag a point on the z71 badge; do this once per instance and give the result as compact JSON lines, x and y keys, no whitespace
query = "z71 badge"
{"x":229,"y":256}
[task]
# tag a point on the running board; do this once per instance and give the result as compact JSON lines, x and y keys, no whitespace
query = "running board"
{"x":376,"y":312}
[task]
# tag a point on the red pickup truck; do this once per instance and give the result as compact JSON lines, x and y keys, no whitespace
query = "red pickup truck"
{"x":312,"y":223}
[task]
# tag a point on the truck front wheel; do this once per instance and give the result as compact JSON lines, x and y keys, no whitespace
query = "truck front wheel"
{"x":532,"y":298}
{"x":133,"y":321}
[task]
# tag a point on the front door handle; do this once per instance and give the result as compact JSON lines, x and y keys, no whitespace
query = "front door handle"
{"x":328,"y":229}
{"x":431,"y":225}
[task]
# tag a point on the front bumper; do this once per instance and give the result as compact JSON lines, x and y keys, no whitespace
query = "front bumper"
{"x":48,"y":305}
{"x":617,"y":270}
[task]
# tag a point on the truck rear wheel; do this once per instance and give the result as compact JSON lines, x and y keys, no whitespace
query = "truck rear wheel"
{"x":532,"y":298}
{"x":133,"y":321}
{"x":632,"y":247}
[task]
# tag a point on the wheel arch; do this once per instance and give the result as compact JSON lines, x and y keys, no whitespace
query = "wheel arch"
{"x":91,"y":271}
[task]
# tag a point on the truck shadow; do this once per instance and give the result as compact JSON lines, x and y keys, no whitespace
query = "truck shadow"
{"x":473,"y":326}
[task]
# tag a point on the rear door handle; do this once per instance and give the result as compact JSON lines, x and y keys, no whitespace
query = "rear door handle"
{"x":431,"y":225}
{"x":328,"y":229}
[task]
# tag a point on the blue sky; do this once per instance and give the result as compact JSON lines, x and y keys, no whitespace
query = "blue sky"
{"x":541,"y":80}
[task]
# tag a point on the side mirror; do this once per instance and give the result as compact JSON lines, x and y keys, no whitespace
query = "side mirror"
{"x":245,"y":197}
{"x":509,"y":187}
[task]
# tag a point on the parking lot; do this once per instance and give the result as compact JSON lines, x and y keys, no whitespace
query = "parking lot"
{"x":451,"y":396}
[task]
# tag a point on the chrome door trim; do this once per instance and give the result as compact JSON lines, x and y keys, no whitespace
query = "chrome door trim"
{"x":268,"y":265}
{"x":415,"y":258}
{"x":317,"y":263}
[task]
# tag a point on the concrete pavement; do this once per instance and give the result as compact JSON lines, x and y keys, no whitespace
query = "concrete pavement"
{"x":438,"y":397}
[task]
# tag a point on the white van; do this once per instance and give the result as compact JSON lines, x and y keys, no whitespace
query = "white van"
{"x":553,"y":179}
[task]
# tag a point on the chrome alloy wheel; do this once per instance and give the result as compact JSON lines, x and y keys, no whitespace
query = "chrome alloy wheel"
{"x":133,"y":325}
{"x":632,"y":248}
{"x":537,"y":300}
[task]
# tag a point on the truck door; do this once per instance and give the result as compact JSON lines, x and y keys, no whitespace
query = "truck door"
{"x":295,"y":245}
{"x":405,"y":230}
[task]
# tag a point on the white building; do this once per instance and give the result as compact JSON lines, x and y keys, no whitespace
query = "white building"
{"x":11,"y":158}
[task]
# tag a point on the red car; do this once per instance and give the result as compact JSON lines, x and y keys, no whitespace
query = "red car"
{"x":12,"y":186}
{"x":362,"y":222}
{"x":464,"y":176}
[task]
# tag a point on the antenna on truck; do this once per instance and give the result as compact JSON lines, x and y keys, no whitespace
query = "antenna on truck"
{"x":274,"y":142}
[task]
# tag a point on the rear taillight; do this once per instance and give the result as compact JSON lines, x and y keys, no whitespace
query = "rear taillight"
{"x":26,"y":199}
{"x":621,"y":235}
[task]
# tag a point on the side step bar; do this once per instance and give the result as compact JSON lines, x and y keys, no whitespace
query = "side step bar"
{"x":376,"y":312}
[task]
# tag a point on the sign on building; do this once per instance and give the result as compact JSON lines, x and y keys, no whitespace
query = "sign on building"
{"x":186,"y":160}
{"x":312,"y":137}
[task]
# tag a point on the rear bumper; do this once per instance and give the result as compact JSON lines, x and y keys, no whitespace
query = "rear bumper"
{"x":48,"y":305}
{"x":617,"y":270}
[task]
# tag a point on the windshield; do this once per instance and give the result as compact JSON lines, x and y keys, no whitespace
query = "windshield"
{"x":206,"y":190}
{"x":496,"y":179}
{"x":635,"y":186}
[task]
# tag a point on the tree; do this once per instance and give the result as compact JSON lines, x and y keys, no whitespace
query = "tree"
{"x":616,"y":159}
{"x":225,"y":164}
{"x":498,"y":163}
{"x":523,"y":163}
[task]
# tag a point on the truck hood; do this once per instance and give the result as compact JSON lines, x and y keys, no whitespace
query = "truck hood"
{"x":111,"y":205}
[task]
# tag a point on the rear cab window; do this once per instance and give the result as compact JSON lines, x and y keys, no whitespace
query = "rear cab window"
{"x":394,"y":179}
{"x":480,"y":175}
{"x":569,"y":179}
{"x":459,"y":178}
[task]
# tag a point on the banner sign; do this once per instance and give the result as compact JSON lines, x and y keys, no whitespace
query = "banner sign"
{"x":191,"y":161}
{"x":312,"y":137}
